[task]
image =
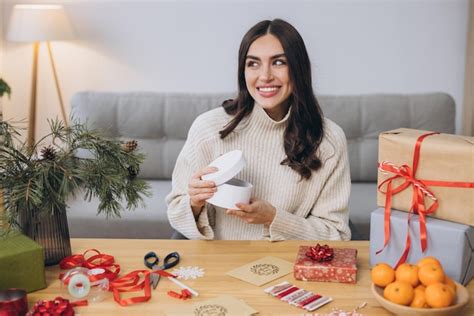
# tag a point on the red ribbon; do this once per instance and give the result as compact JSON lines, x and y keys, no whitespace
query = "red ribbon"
{"x":99,"y":260}
{"x":134,"y":281}
{"x":59,"y":306}
{"x":420,"y":190}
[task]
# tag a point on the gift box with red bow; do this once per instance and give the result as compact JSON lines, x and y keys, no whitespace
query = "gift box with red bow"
{"x":342,"y":267}
{"x":428,"y":173}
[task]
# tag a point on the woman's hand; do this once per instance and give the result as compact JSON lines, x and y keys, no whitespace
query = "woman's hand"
{"x":257,"y":212}
{"x":200,"y":190}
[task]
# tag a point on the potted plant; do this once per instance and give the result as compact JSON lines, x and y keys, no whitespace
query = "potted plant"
{"x":37,"y":180}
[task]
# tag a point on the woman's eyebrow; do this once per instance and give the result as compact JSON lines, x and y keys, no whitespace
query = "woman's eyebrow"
{"x":272,"y":57}
{"x":278,"y":56}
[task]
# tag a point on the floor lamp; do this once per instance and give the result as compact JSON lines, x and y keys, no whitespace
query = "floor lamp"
{"x":40,"y":23}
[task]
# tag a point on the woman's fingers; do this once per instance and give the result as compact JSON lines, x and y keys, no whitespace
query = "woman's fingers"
{"x":193,"y":191}
{"x":195,"y":183}
{"x":203,"y":171}
{"x":237,"y":213}
{"x":200,"y":190}
{"x":202,"y":197}
{"x":244,"y":207}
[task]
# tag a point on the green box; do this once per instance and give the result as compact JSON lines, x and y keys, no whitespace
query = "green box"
{"x":21,"y":263}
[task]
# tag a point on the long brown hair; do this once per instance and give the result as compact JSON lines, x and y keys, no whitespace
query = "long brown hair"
{"x":305,"y":129}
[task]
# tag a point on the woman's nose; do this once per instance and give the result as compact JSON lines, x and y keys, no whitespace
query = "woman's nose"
{"x":266,"y":74}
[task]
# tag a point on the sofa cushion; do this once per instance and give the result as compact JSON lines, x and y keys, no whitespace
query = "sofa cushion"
{"x":364,"y":117}
{"x":362,"y":202}
{"x":158,"y":121}
{"x":149,"y":221}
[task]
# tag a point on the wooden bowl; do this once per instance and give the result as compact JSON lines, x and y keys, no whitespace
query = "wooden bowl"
{"x":462,"y":298}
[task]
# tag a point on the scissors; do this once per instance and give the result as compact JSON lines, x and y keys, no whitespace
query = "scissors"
{"x":152,"y":260}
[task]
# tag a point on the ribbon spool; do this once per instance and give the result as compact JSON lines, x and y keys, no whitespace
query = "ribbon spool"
{"x":13,"y":302}
{"x":76,"y":284}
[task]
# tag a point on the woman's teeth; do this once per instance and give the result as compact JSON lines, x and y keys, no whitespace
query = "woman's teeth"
{"x":268,"y":89}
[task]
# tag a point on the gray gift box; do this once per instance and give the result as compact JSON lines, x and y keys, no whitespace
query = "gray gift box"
{"x":451,"y":243}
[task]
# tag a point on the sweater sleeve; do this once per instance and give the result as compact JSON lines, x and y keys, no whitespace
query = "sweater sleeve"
{"x":329,"y":217}
{"x":179,"y":211}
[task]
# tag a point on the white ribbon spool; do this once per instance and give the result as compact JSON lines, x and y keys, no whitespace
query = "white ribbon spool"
{"x":79,"y":285}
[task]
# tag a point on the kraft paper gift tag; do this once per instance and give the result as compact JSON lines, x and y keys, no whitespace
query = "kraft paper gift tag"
{"x":262,"y":271}
{"x":223,"y":305}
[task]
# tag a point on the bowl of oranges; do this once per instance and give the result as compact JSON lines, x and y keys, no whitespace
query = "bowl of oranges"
{"x":418,"y":289}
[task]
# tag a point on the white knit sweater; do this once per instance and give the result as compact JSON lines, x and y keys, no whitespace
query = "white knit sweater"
{"x":314,"y":209}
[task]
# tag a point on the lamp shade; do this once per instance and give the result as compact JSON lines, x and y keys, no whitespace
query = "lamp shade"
{"x":39,"y":22}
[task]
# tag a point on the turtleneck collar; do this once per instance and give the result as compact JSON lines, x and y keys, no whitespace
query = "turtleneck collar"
{"x":260,"y":117}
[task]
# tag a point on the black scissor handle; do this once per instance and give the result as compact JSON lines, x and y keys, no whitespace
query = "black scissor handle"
{"x":171,"y":260}
{"x":154,"y":259}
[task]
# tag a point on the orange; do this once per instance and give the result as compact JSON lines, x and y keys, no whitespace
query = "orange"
{"x":420,"y":287}
{"x":382,"y":274}
{"x":407,"y":273}
{"x":450,"y":283}
{"x":431,"y":273}
{"x":428,"y":260}
{"x":419,"y":300}
{"x":439,"y":295}
{"x":399,"y":292}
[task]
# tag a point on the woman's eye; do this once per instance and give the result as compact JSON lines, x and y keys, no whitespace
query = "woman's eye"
{"x":252,"y":64}
{"x":279,"y":62}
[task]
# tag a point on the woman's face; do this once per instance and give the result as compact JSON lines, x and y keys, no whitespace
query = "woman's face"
{"x":267,"y":76}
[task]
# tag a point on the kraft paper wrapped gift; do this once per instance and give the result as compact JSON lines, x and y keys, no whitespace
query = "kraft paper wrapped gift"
{"x":21,"y":263}
{"x":443,"y":157}
{"x":451,"y":243}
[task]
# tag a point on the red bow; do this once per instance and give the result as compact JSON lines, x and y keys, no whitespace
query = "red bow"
{"x":320,"y":253}
{"x":59,"y":306}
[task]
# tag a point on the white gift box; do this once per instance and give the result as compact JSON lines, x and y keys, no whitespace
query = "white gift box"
{"x":229,"y":189}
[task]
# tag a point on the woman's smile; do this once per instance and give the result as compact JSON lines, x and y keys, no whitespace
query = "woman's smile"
{"x":268,"y":91}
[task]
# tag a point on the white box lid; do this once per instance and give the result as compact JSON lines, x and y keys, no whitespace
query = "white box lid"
{"x":228,"y":165}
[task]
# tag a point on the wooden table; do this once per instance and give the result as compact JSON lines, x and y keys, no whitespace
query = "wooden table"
{"x":217,"y":258}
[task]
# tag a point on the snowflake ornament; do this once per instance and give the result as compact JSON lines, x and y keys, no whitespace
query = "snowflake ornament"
{"x":188,"y":272}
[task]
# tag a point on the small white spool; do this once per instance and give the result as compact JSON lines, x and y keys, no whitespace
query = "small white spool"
{"x":79,"y":285}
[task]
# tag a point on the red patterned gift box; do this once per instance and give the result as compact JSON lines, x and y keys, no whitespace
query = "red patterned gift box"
{"x":342,"y":268}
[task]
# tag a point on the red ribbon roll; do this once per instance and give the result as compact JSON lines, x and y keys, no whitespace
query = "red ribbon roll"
{"x":420,"y":190}
{"x":13,"y":302}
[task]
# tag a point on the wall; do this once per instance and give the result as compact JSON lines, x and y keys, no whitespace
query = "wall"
{"x":356,"y":46}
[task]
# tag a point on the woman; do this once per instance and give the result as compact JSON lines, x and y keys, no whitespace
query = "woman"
{"x":296,"y":159}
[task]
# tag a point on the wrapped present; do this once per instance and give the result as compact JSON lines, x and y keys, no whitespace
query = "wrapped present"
{"x":428,"y":173}
{"x":341,"y":268}
{"x":451,"y":243}
{"x":24,"y":260}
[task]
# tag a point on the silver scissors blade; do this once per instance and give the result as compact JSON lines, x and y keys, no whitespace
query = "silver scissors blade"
{"x":155,"y":278}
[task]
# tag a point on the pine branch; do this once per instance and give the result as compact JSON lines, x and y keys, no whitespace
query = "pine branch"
{"x":45,"y":183}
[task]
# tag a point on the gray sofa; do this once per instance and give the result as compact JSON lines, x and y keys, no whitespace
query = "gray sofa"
{"x":159,"y":122}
